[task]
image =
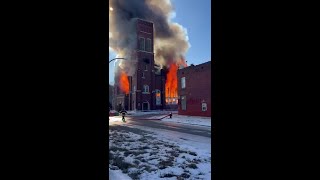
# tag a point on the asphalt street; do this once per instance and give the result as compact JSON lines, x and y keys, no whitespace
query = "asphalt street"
{"x":178,"y":127}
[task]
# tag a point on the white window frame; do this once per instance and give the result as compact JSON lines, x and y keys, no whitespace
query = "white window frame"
{"x":148,"y":42}
{"x":183,"y":82}
{"x":142,"y":47}
{"x":143,"y":75}
{"x":145,"y":89}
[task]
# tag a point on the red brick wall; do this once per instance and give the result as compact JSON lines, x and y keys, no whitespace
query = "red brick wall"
{"x":198,"y":89}
{"x":145,"y":30}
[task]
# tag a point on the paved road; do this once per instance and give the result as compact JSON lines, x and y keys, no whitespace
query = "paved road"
{"x":178,"y":127}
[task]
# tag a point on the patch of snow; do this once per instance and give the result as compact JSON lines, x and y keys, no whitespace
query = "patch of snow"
{"x":117,"y":175}
{"x":161,"y":146}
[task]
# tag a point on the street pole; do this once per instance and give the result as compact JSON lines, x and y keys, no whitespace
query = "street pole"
{"x":115,"y":59}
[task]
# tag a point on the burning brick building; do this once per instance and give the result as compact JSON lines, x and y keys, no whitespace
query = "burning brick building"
{"x":142,"y":32}
{"x":145,"y":88}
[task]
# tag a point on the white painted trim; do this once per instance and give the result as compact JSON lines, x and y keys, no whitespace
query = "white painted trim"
{"x":145,"y":32}
{"x":144,"y":42}
{"x":145,"y":51}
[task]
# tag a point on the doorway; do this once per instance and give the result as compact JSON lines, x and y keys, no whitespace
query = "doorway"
{"x":145,"y":106}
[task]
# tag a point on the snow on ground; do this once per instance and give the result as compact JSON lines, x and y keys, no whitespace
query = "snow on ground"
{"x":154,"y":154}
{"x":117,"y":175}
{"x":115,"y":120}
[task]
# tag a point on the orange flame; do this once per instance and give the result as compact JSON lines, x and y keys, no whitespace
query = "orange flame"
{"x":172,"y":84}
{"x":124,"y":83}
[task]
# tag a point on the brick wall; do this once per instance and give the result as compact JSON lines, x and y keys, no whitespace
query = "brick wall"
{"x":198,"y":89}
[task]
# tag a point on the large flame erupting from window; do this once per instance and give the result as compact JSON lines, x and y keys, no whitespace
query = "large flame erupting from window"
{"x":124,"y":82}
{"x":172,"y":83}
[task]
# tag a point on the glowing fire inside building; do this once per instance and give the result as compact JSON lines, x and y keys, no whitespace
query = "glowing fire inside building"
{"x":124,"y":83}
{"x":172,"y":85}
{"x":142,"y":84}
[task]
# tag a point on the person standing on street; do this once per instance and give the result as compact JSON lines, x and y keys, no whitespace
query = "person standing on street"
{"x":123,"y":112}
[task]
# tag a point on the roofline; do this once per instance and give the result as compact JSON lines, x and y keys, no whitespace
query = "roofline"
{"x":196,"y":65}
{"x":144,"y":20}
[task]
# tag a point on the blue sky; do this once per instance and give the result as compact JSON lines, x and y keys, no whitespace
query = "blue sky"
{"x":195,"y":16}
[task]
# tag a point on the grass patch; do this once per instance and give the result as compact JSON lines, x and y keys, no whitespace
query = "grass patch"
{"x":135,"y":175}
{"x":152,"y":153}
{"x":115,"y":149}
{"x":182,"y":151}
{"x":145,"y":147}
{"x":166,"y":163}
{"x":197,"y":161}
{"x":127,"y":153}
{"x":121,"y":164}
{"x":193,"y":166}
{"x":193,"y":153}
{"x":136,"y":162}
{"x":145,"y":167}
{"x":183,"y":176}
{"x":174,"y":153}
{"x":169,"y":175}
{"x":136,"y":153}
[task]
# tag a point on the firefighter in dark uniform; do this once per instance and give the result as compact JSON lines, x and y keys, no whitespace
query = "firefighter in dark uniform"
{"x":123,"y":113}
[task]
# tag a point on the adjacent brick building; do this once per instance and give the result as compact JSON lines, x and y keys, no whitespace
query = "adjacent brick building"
{"x":194,"y":90}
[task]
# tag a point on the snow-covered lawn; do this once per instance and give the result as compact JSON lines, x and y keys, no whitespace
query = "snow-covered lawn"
{"x":117,"y":174}
{"x":159,"y":155}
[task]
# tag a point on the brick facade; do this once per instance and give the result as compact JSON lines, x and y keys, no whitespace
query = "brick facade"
{"x":145,"y":73}
{"x":197,"y":91}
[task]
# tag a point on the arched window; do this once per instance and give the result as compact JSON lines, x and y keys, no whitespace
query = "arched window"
{"x":146,"y":89}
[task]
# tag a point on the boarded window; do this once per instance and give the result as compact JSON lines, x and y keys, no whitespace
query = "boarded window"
{"x":183,"y":103}
{"x":148,"y":45}
{"x":142,"y":44}
{"x":183,"y":82}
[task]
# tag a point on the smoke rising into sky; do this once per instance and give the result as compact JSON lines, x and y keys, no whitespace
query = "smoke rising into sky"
{"x":170,"y":39}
